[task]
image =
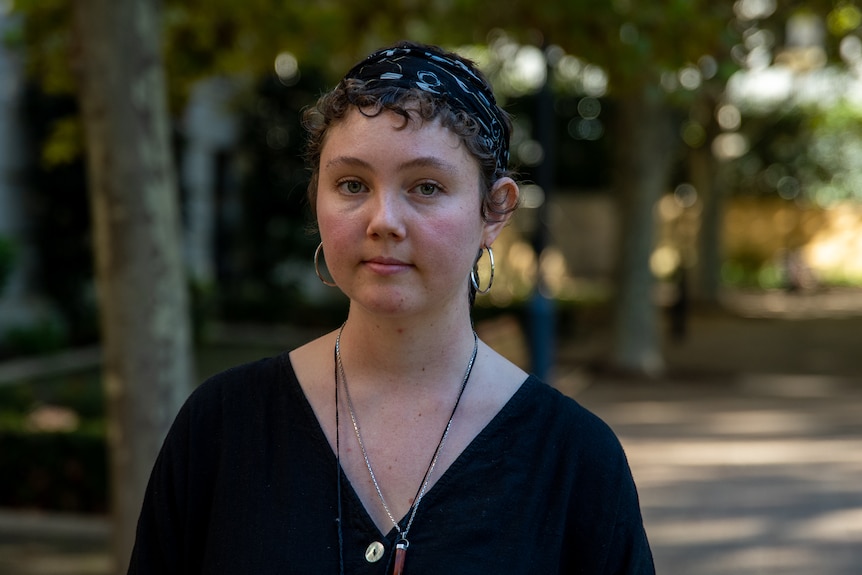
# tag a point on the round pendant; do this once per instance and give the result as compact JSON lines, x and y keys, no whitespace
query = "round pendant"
{"x":374,"y":552}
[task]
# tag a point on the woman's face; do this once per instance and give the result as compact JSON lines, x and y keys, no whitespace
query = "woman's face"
{"x":398,"y":209}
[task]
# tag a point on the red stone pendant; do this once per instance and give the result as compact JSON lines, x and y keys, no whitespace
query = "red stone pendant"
{"x":400,"y":554}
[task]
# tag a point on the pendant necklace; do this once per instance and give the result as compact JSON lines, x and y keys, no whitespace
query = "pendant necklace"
{"x":402,"y":542}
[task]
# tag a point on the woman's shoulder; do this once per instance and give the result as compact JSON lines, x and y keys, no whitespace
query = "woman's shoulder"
{"x":244,"y":381}
{"x":544,"y":396}
{"x":241,"y":399}
{"x":562,"y":420}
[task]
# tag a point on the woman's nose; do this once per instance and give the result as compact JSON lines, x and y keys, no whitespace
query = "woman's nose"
{"x":386,"y":218}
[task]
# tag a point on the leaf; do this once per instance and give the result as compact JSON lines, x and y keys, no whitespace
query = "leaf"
{"x":65,"y":143}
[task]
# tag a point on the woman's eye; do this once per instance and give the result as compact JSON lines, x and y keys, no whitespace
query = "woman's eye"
{"x":352,"y":186}
{"x":427,"y":189}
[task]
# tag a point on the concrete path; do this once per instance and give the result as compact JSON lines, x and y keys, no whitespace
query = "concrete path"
{"x":53,"y":544}
{"x":748,"y":457}
{"x":758,"y":475}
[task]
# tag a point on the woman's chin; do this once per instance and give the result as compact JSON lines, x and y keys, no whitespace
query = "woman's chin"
{"x":384,"y":301}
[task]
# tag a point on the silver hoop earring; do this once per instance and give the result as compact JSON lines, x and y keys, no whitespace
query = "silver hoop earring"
{"x":317,"y":267}
{"x":474,"y":273}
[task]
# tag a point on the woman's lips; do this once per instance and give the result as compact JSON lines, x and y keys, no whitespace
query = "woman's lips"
{"x":386,"y":266}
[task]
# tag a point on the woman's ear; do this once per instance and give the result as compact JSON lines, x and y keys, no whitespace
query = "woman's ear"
{"x":504,"y":199}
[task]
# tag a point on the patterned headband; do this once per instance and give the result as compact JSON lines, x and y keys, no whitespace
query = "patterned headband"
{"x":450,"y":79}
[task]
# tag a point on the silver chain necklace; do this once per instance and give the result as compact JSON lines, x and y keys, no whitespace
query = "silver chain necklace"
{"x":402,"y":543}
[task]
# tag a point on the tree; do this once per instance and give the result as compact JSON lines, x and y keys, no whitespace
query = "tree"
{"x":635,"y":45}
{"x":644,"y":156}
{"x":638,"y":46}
{"x":142,"y":290}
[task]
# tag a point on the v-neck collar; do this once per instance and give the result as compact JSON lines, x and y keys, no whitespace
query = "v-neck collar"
{"x":438,"y":489}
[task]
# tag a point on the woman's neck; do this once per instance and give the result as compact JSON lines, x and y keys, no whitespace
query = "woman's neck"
{"x":402,"y":354}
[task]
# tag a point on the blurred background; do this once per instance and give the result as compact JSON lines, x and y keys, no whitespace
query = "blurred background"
{"x":687,"y":260}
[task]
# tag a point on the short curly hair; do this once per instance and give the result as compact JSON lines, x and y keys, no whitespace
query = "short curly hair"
{"x":351,"y":93}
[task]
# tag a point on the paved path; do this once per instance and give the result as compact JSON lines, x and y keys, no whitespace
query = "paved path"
{"x":53,"y":544}
{"x":749,"y":457}
{"x":758,"y":475}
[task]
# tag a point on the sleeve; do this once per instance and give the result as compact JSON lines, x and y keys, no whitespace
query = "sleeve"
{"x":609,"y":536}
{"x":158,"y":535}
{"x":171,"y":530}
{"x":629,"y":552}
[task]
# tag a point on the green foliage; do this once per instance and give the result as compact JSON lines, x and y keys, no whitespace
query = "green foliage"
{"x":802,"y":153}
{"x":7,"y":261}
{"x":46,"y":40}
{"x":845,"y":18}
{"x":779,"y":141}
{"x":243,"y":37}
{"x":58,"y":469}
{"x":744,"y":269}
{"x":834,"y":156}
{"x":65,"y":143}
{"x":42,"y":337}
{"x":633,"y":41}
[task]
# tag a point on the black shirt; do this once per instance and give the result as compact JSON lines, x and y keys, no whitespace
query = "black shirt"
{"x":246,"y":484}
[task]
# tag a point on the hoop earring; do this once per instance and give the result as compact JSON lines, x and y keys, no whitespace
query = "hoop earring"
{"x":474,"y":275}
{"x":317,"y":266}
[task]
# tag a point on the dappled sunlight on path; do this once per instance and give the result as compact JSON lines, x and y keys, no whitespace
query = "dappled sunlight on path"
{"x":752,"y":475}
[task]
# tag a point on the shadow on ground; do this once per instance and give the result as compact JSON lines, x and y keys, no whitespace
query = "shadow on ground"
{"x":744,"y":477}
{"x":748,"y":457}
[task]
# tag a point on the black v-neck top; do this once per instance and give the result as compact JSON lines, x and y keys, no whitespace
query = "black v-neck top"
{"x":246,"y":483}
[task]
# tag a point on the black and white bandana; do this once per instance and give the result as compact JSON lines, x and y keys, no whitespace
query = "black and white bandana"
{"x":452,"y":80}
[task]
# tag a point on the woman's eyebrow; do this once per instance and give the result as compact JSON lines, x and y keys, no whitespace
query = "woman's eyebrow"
{"x":347,"y":161}
{"x":427,"y":162}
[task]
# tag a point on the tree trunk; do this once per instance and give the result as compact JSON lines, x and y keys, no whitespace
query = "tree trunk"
{"x":641,"y":172}
{"x":705,"y":176}
{"x":142,"y":290}
{"x":703,"y":168}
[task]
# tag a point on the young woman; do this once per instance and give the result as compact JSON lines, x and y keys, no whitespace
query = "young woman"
{"x":399,"y":443}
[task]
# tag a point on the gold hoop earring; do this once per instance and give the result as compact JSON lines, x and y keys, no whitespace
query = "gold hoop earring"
{"x":474,"y":273}
{"x":317,"y":267}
